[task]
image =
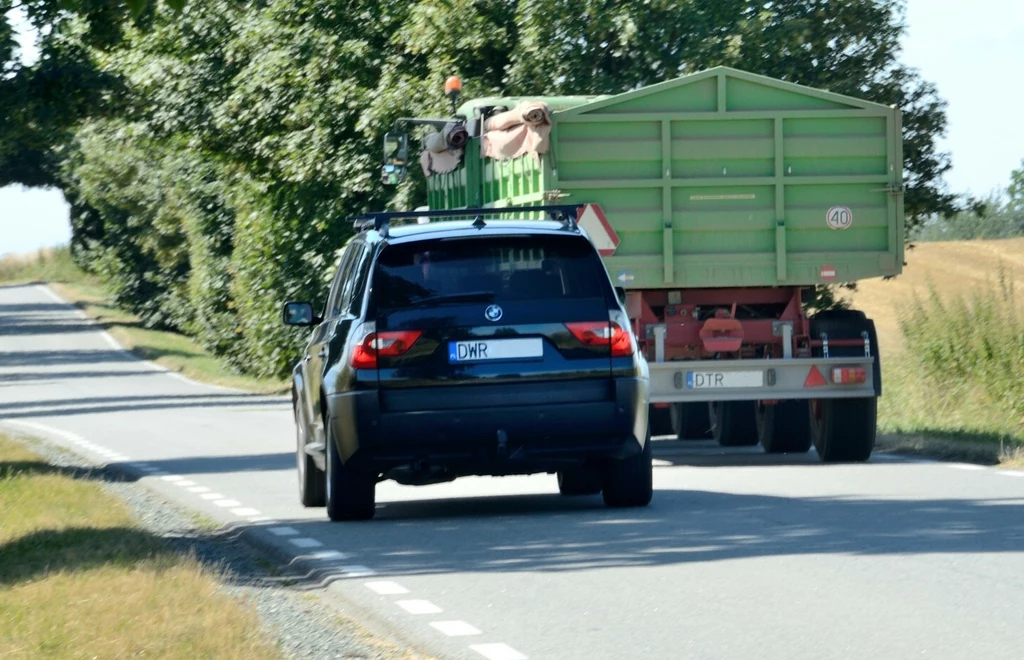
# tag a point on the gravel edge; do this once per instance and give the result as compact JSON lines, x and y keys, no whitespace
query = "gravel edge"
{"x":252,"y":570}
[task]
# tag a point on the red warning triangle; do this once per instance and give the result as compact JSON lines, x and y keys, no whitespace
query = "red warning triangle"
{"x":601,"y":232}
{"x":815,"y":379}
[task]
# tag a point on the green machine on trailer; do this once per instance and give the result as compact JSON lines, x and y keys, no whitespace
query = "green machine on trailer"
{"x":720,"y":200}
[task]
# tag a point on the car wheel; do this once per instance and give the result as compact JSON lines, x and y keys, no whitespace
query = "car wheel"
{"x":629,"y":482}
{"x":732,"y":423}
{"x":783,"y":428}
{"x":580,"y":480}
{"x":351,"y":495}
{"x":311,"y":480}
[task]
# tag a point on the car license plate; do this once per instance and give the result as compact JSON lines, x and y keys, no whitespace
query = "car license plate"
{"x":723,"y":380}
{"x":495,"y":349}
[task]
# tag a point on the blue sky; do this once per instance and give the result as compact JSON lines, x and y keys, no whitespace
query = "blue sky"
{"x":973,"y":52}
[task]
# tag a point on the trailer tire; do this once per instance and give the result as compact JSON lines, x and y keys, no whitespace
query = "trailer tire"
{"x":843,"y":430}
{"x":661,"y":420}
{"x":579,"y":480}
{"x":629,"y":482}
{"x":690,"y":421}
{"x":733,"y":423}
{"x":784,"y":428}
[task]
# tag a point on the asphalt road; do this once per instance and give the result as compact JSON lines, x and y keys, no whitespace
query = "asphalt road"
{"x":740,"y":555}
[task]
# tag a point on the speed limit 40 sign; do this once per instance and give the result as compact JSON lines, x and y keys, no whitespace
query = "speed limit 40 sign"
{"x":839,"y":217}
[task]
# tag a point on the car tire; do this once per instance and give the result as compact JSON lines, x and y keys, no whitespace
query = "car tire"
{"x":843,"y":430}
{"x":733,"y":423}
{"x":351,"y":495}
{"x":690,"y":421}
{"x":580,"y":480}
{"x":312,"y":481}
{"x":784,"y":428}
{"x":629,"y":482}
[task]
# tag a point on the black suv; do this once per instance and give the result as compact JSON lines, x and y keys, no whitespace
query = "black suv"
{"x":455,"y":348}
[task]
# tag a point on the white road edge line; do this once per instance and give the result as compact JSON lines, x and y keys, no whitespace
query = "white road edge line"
{"x":387,"y":588}
{"x":456,"y":628}
{"x":416,"y":606}
{"x":966,"y":466}
{"x":107,"y":337}
{"x":497,"y":651}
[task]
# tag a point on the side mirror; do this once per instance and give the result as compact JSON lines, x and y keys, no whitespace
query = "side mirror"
{"x":620,"y":293}
{"x":300,"y":314}
{"x":396,"y":158}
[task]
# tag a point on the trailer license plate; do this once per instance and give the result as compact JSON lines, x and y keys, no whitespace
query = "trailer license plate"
{"x":495,"y":349}
{"x":723,"y":380}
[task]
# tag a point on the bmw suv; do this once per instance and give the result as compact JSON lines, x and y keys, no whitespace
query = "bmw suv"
{"x":453,"y":348}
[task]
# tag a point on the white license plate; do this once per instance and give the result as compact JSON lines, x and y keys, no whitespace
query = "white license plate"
{"x":495,"y":349}
{"x":722,"y":380}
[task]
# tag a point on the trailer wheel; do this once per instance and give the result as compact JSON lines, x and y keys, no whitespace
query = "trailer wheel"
{"x":783,"y":428}
{"x":843,"y":430}
{"x":661,"y":420}
{"x":690,"y":421}
{"x":732,"y":423}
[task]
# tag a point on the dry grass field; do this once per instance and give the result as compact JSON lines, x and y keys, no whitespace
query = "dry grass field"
{"x":953,"y":370}
{"x":953,"y":269}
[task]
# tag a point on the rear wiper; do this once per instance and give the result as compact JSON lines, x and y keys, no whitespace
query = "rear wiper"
{"x":470,"y":296}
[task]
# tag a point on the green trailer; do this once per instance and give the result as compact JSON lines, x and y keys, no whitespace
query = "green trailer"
{"x":721,"y":199}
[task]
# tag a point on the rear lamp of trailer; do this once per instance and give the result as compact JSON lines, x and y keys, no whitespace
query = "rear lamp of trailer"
{"x":849,"y":375}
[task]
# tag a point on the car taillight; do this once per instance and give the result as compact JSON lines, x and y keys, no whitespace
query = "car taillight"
{"x":603,"y":333}
{"x":849,"y":375}
{"x":386,"y":344}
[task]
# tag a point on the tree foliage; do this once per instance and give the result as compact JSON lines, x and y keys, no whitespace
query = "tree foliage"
{"x":212,"y":154}
{"x":1000,"y":215}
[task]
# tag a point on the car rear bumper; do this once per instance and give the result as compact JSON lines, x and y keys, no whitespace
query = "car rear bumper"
{"x":492,"y":429}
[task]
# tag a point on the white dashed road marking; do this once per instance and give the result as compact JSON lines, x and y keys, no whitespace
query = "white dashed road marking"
{"x":305,"y":543}
{"x":966,"y":466}
{"x":359,"y":571}
{"x":212,"y":496}
{"x":227,"y":503}
{"x":173,"y":477}
{"x":198,"y":489}
{"x":185,"y":483}
{"x":455,"y":628}
{"x":386,"y":588}
{"x":245,"y":512}
{"x":283,"y":531}
{"x":1012,"y":473}
{"x":497,"y":651}
{"x":419,"y":607}
{"x":327,"y":555}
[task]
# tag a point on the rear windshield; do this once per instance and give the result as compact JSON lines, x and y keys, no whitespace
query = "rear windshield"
{"x":494,"y":268}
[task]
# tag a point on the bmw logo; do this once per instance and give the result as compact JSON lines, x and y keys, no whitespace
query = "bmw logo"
{"x":493,"y":313}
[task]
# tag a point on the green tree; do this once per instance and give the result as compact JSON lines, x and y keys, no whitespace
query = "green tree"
{"x":850,"y":47}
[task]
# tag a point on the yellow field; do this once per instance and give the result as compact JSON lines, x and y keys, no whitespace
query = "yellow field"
{"x":953,"y":268}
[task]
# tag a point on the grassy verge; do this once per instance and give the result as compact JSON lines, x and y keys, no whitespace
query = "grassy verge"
{"x":172,"y":350}
{"x":79,"y":578}
{"x":957,"y":390}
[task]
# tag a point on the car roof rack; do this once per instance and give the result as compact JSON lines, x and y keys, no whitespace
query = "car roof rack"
{"x":380,"y":221}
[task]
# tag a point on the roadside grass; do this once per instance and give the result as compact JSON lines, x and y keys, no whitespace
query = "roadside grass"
{"x":956,"y":390}
{"x":79,"y":578}
{"x":174,"y":351}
